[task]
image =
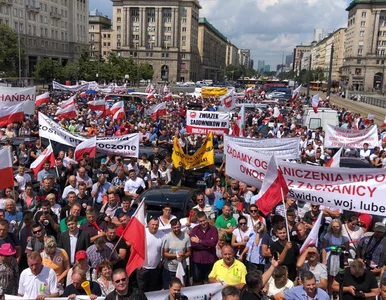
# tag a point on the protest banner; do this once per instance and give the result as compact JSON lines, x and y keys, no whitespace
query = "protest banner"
{"x":213,"y":92}
{"x":204,"y":122}
{"x":360,"y":190}
{"x":337,"y":137}
{"x":125,"y":145}
{"x":286,"y":148}
{"x":10,"y":96}
{"x":202,"y":158}
{"x":199,"y":292}
{"x":70,"y":88}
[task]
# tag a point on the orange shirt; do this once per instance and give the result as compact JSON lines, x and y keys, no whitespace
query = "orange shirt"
{"x":58,"y":263}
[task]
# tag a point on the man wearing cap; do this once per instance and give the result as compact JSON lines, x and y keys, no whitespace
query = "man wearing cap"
{"x":9,"y":273}
{"x":371,"y":249}
{"x":103,"y":170}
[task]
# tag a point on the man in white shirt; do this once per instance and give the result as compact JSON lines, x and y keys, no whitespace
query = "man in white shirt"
{"x":133,"y":184}
{"x":37,"y":282}
{"x":149,"y":274}
{"x":365,"y":152}
{"x":72,"y":187}
{"x":22,"y":178}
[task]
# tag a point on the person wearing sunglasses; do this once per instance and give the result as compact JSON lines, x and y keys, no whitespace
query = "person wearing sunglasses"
{"x":254,"y":217}
{"x":36,"y":242}
{"x":240,"y":235}
{"x":122,"y":289}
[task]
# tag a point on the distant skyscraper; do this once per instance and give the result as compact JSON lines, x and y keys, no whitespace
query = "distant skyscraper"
{"x":318,"y":34}
{"x":260,"y":66}
{"x":267,"y":68}
{"x":288,"y":59}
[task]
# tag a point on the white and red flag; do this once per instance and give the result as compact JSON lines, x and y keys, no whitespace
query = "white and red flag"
{"x":295,"y":93}
{"x":168,"y":97}
{"x":157,"y":110}
{"x":69,"y":112}
{"x":88,"y":146}
{"x":149,"y":88}
{"x":335,"y":160}
{"x":273,"y":189}
{"x":313,"y":236}
{"x":68,"y":102}
{"x":315,"y":102}
{"x":119,"y":114}
{"x":228,"y":101}
{"x":10,"y":114}
{"x":42,"y":99}
{"x":384,"y":123}
{"x":166,"y":90}
{"x":97,"y":105}
{"x":249,"y":90}
{"x":47,"y":154}
{"x":117,"y":106}
{"x":150,"y":96}
{"x":277,"y":114}
{"x":6,"y":170}
{"x":239,"y":129}
{"x":135,"y":235}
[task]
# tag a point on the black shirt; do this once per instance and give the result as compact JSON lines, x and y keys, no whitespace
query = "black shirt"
{"x":48,"y":227}
{"x":121,"y":264}
{"x":132,"y":293}
{"x":364,"y":283}
{"x":94,"y":287}
{"x":290,"y":258}
{"x":108,"y":174}
{"x":247,"y":294}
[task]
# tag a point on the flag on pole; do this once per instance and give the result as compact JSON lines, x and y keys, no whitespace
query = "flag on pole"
{"x":239,"y":129}
{"x":97,"y":105}
{"x":150,"y":96}
{"x":168,"y":97}
{"x":6,"y":170}
{"x":88,"y":145}
{"x":295,"y":93}
{"x":228,"y":101}
{"x":335,"y":160}
{"x":273,"y":189}
{"x":166,"y":90}
{"x":68,"y":102}
{"x":157,"y":110}
{"x":42,"y":99}
{"x":47,"y":154}
{"x":135,"y":235}
{"x":312,"y":238}
{"x":69,"y":112}
{"x":119,"y":114}
{"x":149,"y":88}
{"x":277,"y":114}
{"x":117,"y":106}
{"x":315,"y":103}
{"x":249,"y":90}
{"x":10,"y":114}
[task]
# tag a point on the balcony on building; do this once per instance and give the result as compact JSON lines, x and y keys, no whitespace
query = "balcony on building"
{"x":55,"y":15}
{"x":35,"y":9}
{"x":6,"y":2}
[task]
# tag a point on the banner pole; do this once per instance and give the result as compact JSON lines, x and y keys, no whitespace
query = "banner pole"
{"x":285,"y":214}
{"x":56,"y":167}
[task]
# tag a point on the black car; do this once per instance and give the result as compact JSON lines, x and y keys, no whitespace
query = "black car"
{"x":355,"y":162}
{"x":181,"y":199}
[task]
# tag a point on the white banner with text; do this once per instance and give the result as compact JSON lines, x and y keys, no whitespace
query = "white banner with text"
{"x":203,"y":122}
{"x":337,"y":137}
{"x":70,"y":88}
{"x":10,"y":96}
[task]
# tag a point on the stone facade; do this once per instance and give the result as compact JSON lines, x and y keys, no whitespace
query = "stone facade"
{"x":100,"y":34}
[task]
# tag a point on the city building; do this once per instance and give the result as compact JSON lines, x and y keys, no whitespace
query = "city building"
{"x":267,"y":68}
{"x":260,"y":66}
{"x":298,"y":54}
{"x":212,"y":45}
{"x":365,"y":46}
{"x":289,"y":59}
{"x":48,"y":29}
{"x":161,"y":33}
{"x":246,"y":58}
{"x":232,"y":56}
{"x":100,"y":34}
{"x":318,"y":34}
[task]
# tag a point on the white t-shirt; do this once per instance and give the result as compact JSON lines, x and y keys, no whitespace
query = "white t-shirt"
{"x":239,"y":234}
{"x":22,"y":180}
{"x":31,"y":286}
{"x":132,"y":186}
{"x":273,"y":290}
{"x":154,"y":249}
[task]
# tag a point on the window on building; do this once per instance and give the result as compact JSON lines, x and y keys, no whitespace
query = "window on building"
{"x":119,"y":19}
{"x":183,"y":20}
{"x":118,"y":28}
{"x":360,"y":51}
{"x":362,"y":33}
{"x":183,"y":38}
{"x":118,"y":11}
{"x":358,"y":71}
{"x":359,"y":61}
{"x":364,"y":14}
{"x":183,"y":29}
{"x":183,"y":55}
{"x":363,"y":23}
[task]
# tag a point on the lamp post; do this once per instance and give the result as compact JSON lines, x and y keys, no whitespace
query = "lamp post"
{"x":330,"y":71}
{"x":19,"y":49}
{"x":309,"y":75}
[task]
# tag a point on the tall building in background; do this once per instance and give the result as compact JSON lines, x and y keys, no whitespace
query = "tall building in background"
{"x":100,"y":34}
{"x":162,"y":33}
{"x":298,"y":54}
{"x":267,"y":68}
{"x":318,"y":34}
{"x":288,"y":59}
{"x":232,"y":57}
{"x":260,"y":66}
{"x":246,"y":58}
{"x":365,"y":46}
{"x":49,"y":29}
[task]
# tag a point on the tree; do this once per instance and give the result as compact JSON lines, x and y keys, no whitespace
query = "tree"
{"x":71,"y":71}
{"x":46,"y":70}
{"x":145,"y":71}
{"x":9,"y":51}
{"x":318,"y":74}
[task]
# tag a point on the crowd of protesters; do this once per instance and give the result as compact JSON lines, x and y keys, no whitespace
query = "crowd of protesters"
{"x":64,"y":227}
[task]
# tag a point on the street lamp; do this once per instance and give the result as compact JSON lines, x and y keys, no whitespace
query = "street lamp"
{"x":330,"y":71}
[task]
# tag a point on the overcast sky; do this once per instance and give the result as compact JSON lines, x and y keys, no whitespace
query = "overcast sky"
{"x":267,"y":27}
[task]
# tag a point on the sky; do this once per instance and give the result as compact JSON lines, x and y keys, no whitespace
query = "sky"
{"x":267,"y":27}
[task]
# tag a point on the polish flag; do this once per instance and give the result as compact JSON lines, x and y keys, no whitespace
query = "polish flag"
{"x":157,"y":110}
{"x":83,"y":94}
{"x":369,"y":119}
{"x":119,"y":114}
{"x":150,"y":96}
{"x":168,"y":97}
{"x":335,"y":160}
{"x":166,"y":90}
{"x":42,"y":99}
{"x":6,"y":170}
{"x":384,"y":123}
{"x":313,"y":236}
{"x":47,"y":154}
{"x":273,"y":189}
{"x":89,"y":146}
{"x":228,"y":101}
{"x":103,"y":113}
{"x":97,"y":105}
{"x":277,"y":114}
{"x":135,"y":235}
{"x":116,"y":106}
{"x":239,"y":129}
{"x":10,"y":114}
{"x":266,"y":120}
{"x":68,"y":102}
{"x":295,"y":93}
{"x":315,"y":103}
{"x":249,"y":90}
{"x":69,"y":112}
{"x":149,"y":88}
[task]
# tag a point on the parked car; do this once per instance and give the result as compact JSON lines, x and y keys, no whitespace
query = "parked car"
{"x":181,"y":199}
{"x":355,"y":162}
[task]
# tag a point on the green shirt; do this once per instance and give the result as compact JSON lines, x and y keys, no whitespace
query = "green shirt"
{"x":224,"y":224}
{"x":63,"y":225}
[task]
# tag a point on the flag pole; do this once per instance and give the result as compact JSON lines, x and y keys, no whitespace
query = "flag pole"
{"x":285,"y":214}
{"x":56,"y":167}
